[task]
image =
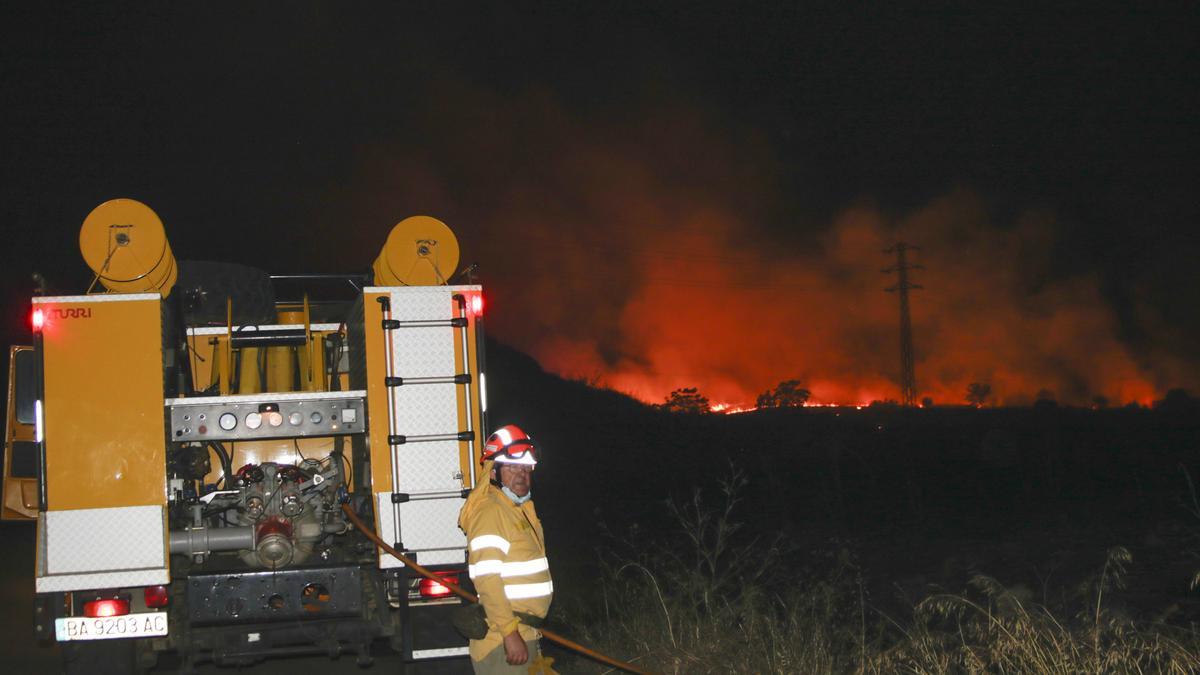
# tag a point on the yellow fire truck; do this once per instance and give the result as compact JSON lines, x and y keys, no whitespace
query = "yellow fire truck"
{"x":185,"y":434}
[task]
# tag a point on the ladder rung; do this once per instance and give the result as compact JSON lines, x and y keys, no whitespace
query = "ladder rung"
{"x":456,"y":322}
{"x":461,"y":378}
{"x":401,"y":439}
{"x":402,"y":497}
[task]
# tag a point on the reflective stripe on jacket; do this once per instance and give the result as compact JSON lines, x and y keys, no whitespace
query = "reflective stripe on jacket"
{"x":506,"y":552}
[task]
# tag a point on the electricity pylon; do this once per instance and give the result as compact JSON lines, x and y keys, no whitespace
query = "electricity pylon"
{"x":908,"y":378}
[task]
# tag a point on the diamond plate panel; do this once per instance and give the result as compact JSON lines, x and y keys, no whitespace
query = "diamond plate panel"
{"x":425,"y":524}
{"x":84,"y":582}
{"x":429,"y":467}
{"x":100,"y":297}
{"x":428,"y":527}
{"x":104,"y":540}
{"x":425,"y":409}
{"x":423,"y":351}
{"x":443,"y":557}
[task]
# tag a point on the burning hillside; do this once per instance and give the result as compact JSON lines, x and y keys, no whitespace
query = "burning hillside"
{"x":651,"y":254}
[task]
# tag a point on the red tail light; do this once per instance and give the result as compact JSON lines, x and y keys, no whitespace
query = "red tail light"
{"x":106,"y":607}
{"x":477,"y":304}
{"x":157,"y":596}
{"x":432,"y":589}
{"x":38,"y":319}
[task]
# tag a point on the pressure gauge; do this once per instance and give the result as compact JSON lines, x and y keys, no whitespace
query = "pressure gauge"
{"x":228,"y":421}
{"x":253,"y":420}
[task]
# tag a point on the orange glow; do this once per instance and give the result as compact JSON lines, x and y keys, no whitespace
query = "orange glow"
{"x":734,"y":409}
{"x":730,"y":409}
{"x":736,"y":324}
{"x":663,"y":261}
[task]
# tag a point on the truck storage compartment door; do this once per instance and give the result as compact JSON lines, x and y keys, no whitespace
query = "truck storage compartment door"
{"x":105,"y":452}
{"x":424,"y":407}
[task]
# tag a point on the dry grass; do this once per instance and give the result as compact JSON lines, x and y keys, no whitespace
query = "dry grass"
{"x":991,"y":630}
{"x":714,"y":601}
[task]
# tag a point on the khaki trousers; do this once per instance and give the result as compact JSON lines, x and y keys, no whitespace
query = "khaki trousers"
{"x":495,"y":663}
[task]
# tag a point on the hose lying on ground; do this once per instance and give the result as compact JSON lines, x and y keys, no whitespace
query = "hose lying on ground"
{"x":470,"y":597}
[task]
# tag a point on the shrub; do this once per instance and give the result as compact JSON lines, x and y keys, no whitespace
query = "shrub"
{"x":788,"y":394}
{"x":686,"y":400}
{"x":712,"y":598}
{"x":994,"y":630}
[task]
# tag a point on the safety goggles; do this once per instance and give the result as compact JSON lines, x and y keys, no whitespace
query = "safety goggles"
{"x":517,"y":449}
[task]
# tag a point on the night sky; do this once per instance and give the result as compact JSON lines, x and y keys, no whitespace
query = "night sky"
{"x":659,"y":196}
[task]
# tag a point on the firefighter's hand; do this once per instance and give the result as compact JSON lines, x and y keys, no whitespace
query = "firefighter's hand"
{"x":515,"y":649}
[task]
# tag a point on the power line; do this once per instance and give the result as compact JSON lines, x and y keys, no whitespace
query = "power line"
{"x":908,"y":378}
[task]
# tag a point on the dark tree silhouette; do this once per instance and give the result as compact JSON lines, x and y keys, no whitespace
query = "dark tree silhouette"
{"x":978,"y":393}
{"x":1045,"y":400}
{"x":687,"y":400}
{"x":1177,"y":401}
{"x":788,"y":394}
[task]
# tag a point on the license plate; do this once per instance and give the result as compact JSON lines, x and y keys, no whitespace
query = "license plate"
{"x":149,"y":624}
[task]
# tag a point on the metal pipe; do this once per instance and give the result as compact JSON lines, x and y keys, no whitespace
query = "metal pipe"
{"x":385,"y":309}
{"x":360,"y":278}
{"x":199,"y":540}
{"x":469,"y":407}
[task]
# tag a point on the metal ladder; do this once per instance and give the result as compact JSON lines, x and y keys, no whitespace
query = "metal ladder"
{"x":397,"y":441}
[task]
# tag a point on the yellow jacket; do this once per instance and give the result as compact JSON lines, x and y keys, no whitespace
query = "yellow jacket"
{"x":507,"y":558}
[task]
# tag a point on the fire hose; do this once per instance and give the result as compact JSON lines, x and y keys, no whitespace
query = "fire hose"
{"x":471,"y":597}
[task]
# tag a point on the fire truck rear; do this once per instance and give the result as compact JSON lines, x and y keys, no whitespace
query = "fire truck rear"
{"x":184,"y":434}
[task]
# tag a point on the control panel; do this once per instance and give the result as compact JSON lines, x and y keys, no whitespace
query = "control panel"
{"x":261,"y":416}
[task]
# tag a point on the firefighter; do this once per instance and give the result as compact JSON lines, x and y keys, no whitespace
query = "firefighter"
{"x":507,"y":555}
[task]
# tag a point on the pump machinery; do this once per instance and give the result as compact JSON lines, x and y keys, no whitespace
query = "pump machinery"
{"x":185,"y":435}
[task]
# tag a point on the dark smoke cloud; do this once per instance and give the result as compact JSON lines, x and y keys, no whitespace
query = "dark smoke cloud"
{"x":645,"y":252}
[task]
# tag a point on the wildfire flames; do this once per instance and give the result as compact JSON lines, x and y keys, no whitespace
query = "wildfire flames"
{"x":640,"y":259}
{"x":734,"y":321}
